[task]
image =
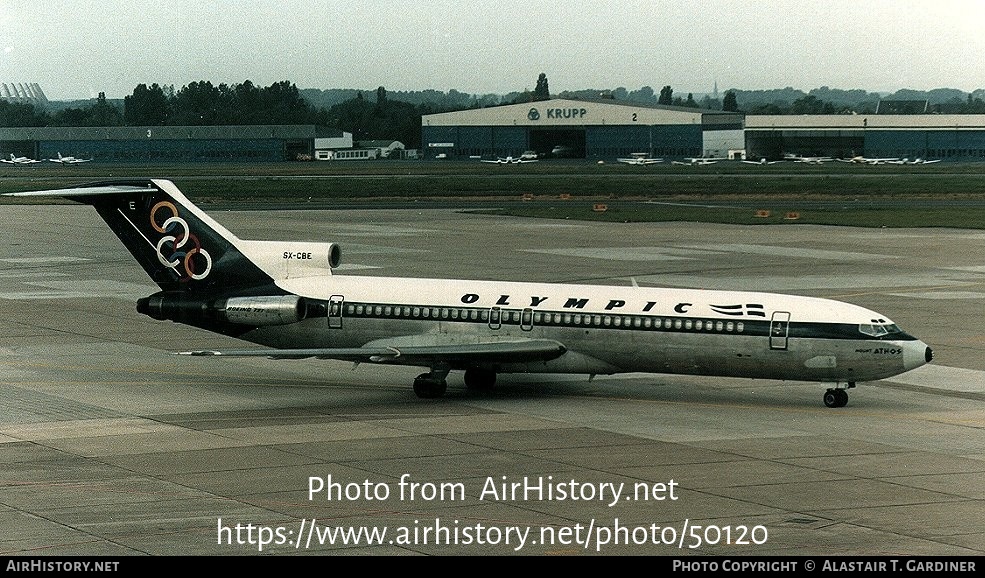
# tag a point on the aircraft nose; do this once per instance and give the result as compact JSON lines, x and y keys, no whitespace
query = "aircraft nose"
{"x":915,"y":354}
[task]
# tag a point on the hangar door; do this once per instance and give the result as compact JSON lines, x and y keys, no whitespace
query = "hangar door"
{"x":558,"y":142}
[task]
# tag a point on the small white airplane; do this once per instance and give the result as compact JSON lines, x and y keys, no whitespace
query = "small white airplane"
{"x":286,"y":297}
{"x":860,"y":160}
{"x":68,"y":160}
{"x":917,"y":161}
{"x":510,"y":161}
{"x":640,"y":159}
{"x":762,"y":161}
{"x":14,"y":160}
{"x":806,"y":160}
{"x":695,"y":161}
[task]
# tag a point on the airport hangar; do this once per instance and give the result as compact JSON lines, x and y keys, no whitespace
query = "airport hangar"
{"x":953,"y":137}
{"x":577,"y":128}
{"x":263,"y":143}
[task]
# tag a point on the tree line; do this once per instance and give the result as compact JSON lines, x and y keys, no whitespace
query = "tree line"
{"x":204,"y":104}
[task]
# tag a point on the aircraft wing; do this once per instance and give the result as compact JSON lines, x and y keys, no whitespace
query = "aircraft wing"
{"x":453,"y":354}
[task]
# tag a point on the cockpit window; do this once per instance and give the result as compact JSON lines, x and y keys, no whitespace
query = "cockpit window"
{"x":879,"y":329}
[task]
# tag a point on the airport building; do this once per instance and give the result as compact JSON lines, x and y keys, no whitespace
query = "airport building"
{"x":955,"y":137}
{"x":167,"y":143}
{"x":589,"y":129}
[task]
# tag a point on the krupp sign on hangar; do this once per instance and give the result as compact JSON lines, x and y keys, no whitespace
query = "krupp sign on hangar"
{"x":561,"y":112}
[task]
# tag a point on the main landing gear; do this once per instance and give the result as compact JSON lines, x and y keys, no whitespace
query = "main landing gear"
{"x":837,"y":397}
{"x":433,"y":384}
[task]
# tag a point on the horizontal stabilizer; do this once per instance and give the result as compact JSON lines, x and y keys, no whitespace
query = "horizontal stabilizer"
{"x":84,"y":191}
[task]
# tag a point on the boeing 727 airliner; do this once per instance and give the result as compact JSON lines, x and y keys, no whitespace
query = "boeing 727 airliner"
{"x":284,"y":296}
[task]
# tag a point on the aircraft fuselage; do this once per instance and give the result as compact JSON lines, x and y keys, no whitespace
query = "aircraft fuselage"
{"x":607,"y":329}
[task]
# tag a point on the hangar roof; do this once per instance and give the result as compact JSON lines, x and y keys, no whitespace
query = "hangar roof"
{"x":568,"y":112}
{"x":305,"y":131}
{"x":865,"y":121}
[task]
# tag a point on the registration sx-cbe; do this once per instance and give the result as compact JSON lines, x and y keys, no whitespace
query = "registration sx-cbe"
{"x":543,"y":488}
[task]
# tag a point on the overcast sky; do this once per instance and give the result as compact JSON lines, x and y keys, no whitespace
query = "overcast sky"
{"x":77,"y":48}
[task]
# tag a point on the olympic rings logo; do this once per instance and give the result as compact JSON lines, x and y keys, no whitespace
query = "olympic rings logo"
{"x":184,"y":248}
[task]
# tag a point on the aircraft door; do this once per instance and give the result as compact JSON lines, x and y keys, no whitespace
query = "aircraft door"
{"x":335,"y":303}
{"x":495,"y":318}
{"x":779,"y":330}
{"x":527,"y":319}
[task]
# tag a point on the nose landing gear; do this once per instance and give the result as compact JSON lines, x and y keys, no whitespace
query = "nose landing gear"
{"x":836,"y":396}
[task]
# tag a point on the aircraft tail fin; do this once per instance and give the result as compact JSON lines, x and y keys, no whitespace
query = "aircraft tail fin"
{"x":179,"y":246}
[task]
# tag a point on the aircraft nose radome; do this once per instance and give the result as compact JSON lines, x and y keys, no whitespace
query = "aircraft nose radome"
{"x":915,"y":354}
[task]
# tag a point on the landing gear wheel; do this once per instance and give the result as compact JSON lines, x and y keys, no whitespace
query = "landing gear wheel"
{"x":427,"y":386}
{"x":836,"y":398}
{"x":480,"y":379}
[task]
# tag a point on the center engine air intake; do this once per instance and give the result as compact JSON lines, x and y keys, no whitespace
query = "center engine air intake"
{"x":257,"y":311}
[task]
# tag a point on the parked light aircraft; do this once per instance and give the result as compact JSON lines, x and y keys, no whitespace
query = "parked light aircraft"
{"x":762,"y":161}
{"x":694,"y":161}
{"x":68,"y":160}
{"x":285,"y":296}
{"x":510,"y":161}
{"x":860,"y":160}
{"x":19,"y":160}
{"x":640,"y":159}
{"x":806,"y":160}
